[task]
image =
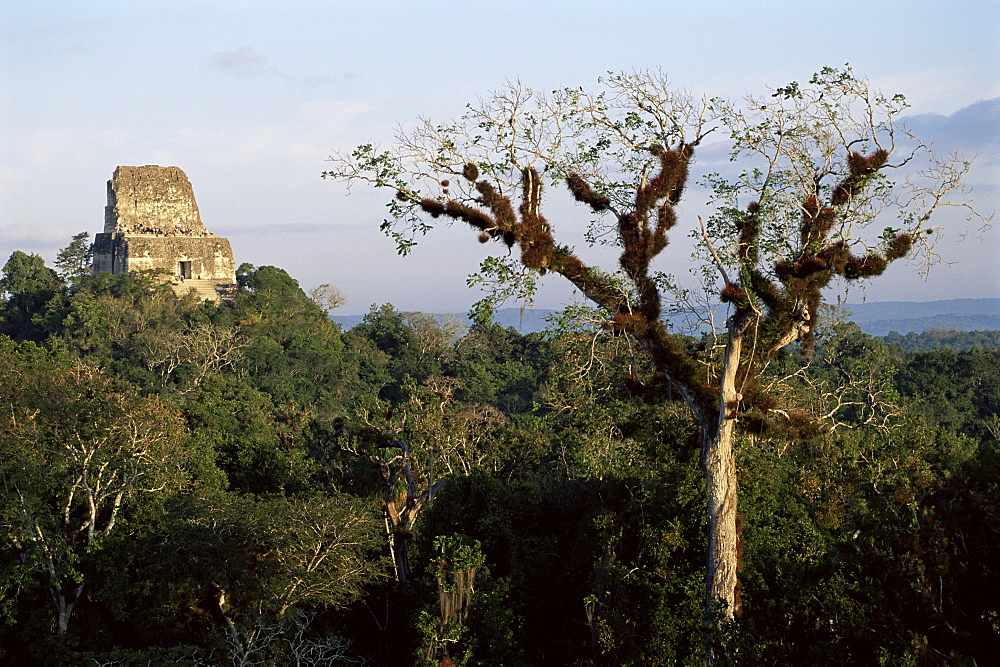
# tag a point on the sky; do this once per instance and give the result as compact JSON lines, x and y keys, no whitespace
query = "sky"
{"x":249,"y":98}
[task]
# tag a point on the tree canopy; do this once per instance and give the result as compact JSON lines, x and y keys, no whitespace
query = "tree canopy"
{"x":542,"y":491}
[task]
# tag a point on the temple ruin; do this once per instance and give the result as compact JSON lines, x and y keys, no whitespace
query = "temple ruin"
{"x":152,"y":222}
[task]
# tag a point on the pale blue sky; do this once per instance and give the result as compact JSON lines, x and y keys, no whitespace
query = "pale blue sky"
{"x":250,"y":97}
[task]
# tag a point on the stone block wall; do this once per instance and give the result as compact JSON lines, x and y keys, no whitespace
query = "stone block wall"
{"x":211,"y":258}
{"x":152,"y":222}
{"x":151,"y":199}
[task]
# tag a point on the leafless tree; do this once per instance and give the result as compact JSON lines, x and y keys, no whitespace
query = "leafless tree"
{"x":327,"y":297}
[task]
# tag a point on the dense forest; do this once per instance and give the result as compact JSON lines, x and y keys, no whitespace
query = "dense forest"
{"x":245,"y":483}
{"x":936,"y":339}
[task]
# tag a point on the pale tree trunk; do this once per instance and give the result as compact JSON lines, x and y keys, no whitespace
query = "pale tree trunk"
{"x":64,"y":595}
{"x":64,"y":609}
{"x":721,"y":566}
{"x":719,"y":461}
{"x":65,"y":603}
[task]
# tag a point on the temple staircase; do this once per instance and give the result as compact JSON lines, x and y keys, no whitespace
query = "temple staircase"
{"x":212,"y":290}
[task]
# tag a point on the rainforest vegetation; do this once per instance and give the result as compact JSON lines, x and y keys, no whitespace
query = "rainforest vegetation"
{"x":244,"y":483}
{"x":247,"y":483}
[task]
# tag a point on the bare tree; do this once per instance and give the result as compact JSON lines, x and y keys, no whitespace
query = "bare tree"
{"x":327,"y":297}
{"x":434,"y":334}
{"x":204,"y":348}
{"x":832,"y":189}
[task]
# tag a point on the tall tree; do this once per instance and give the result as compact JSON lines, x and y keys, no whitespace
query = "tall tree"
{"x":75,"y":259}
{"x":28,"y":285}
{"x":809,"y":207}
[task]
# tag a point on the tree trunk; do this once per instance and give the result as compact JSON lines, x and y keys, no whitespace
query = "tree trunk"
{"x":722,"y":561}
{"x":64,"y":611}
{"x":401,"y":511}
{"x":719,"y":461}
{"x":401,"y":556}
{"x":65,"y":603}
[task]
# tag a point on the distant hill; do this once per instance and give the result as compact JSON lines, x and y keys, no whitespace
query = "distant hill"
{"x":881,"y":318}
{"x":941,"y":339}
{"x":875,"y":319}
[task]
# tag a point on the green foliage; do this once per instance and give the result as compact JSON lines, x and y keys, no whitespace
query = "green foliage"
{"x":936,"y":339}
{"x":401,"y":356}
{"x":207,"y":564}
{"x":530,"y":533}
{"x":957,"y":391}
{"x":78,"y":449}
{"x":582,"y":569}
{"x":455,"y":570}
{"x":132,"y":323}
{"x":74,"y":260}
{"x":257,"y":453}
{"x":858,"y":550}
{"x":293,"y":351}
{"x":570,"y":507}
{"x":270,"y":553}
{"x":501,"y":367}
{"x":25,"y":274}
{"x":28,"y":284}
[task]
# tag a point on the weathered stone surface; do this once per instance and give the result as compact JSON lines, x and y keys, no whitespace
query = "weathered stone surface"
{"x":152,"y":222}
{"x":151,"y":199}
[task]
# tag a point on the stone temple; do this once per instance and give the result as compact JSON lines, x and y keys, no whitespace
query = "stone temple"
{"x":152,"y":222}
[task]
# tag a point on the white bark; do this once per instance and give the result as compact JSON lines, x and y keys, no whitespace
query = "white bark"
{"x":719,"y":461}
{"x":64,"y":605}
{"x":721,"y":560}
